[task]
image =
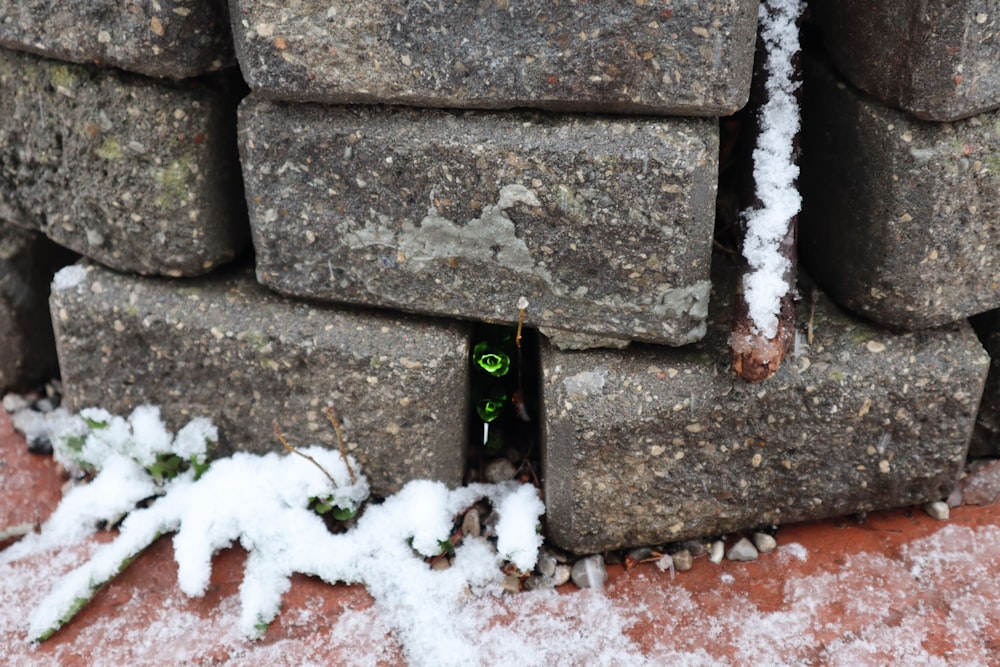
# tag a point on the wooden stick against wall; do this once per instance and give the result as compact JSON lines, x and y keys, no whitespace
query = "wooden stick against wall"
{"x":764,"y":312}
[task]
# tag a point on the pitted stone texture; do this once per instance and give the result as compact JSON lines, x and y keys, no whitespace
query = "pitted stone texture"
{"x":164,"y":38}
{"x":604,"y":225}
{"x":936,"y":59}
{"x":226,"y":348}
{"x":636,"y":57}
{"x":901,"y":218}
{"x":657,"y":445}
{"x":138,"y":174}
{"x":27,"y":262}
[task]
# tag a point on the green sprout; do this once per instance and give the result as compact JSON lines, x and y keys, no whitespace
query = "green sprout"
{"x":490,"y":408}
{"x":494,"y":362}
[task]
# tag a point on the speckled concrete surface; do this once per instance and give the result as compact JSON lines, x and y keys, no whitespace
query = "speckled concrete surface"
{"x":605,"y":225}
{"x":637,"y":57}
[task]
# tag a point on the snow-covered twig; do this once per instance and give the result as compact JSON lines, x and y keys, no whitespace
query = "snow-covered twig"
{"x":763,"y":327}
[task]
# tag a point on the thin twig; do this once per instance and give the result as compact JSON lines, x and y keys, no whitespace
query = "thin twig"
{"x":293,"y":450}
{"x":340,"y":441}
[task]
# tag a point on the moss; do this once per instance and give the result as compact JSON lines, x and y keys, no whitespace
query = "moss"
{"x":175,"y":182}
{"x":62,"y":77}
{"x":109,"y":150}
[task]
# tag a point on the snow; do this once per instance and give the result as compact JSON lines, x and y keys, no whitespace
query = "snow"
{"x":69,"y":277}
{"x":868,"y":609}
{"x":774,"y":169}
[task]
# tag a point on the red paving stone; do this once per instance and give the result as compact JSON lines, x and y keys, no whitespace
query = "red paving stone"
{"x":836,"y":592}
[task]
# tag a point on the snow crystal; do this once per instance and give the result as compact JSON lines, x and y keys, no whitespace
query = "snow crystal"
{"x":774,"y":169}
{"x":68,"y":277}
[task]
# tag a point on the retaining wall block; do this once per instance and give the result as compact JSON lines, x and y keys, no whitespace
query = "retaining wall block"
{"x":164,"y":38}
{"x":138,"y":174}
{"x":655,"y":445}
{"x":224,"y":347}
{"x":636,"y":57}
{"x":604,"y":224}
{"x":936,"y":59}
{"x":901,"y":218}
{"x":27,"y":262}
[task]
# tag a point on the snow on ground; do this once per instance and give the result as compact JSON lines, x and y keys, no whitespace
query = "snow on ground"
{"x":883,"y":610}
{"x":869,"y":609}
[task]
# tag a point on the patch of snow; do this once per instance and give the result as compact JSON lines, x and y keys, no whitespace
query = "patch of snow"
{"x":68,"y":277}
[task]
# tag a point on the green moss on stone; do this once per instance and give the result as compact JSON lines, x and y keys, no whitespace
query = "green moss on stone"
{"x":175,"y":182}
{"x":109,"y":150}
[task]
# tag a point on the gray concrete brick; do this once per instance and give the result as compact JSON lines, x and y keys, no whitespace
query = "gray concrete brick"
{"x":605,"y":225}
{"x":936,"y":59}
{"x":642,"y":57}
{"x":225,"y":347}
{"x":901,"y":218}
{"x":138,"y":174}
{"x":165,"y":38}
{"x":655,"y":445}
{"x":27,"y":262}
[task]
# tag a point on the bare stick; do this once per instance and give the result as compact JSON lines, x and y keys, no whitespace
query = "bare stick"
{"x":340,"y":441}
{"x":764,"y":314}
{"x":293,"y":450}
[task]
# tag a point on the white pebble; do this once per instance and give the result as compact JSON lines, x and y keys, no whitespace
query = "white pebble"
{"x":765,"y":543}
{"x":743,"y":551}
{"x":717,"y":551}
{"x":938,"y":510}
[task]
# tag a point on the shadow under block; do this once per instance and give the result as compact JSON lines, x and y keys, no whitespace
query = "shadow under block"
{"x":656,"y":445}
{"x":604,"y":225}
{"x":226,"y":348}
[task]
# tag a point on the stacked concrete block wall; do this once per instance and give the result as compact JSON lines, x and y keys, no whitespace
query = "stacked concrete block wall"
{"x":405,"y":170}
{"x":901,"y":221}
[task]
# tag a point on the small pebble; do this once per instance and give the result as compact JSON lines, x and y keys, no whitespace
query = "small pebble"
{"x":765,"y":543}
{"x":440,"y":564}
{"x":500,"y":470}
{"x":470,"y":523}
{"x":539,"y":583}
{"x":511,"y":584}
{"x":546,"y":565}
{"x":683,"y":561}
{"x":742,"y":551}
{"x":40,"y":445}
{"x":640,"y":554}
{"x":562,"y":575}
{"x":44,"y":405}
{"x":14,"y":402}
{"x":717,"y":551}
{"x":589,"y":572}
{"x":694,"y":547}
{"x":938,"y":510}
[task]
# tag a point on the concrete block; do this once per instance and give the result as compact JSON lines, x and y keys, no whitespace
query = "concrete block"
{"x":901,"y":218}
{"x":224,"y":347}
{"x":27,"y":262}
{"x":936,"y":59}
{"x":656,"y":445}
{"x":605,"y":225}
{"x":167,"y":38}
{"x":636,"y":57}
{"x":140,"y":175}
